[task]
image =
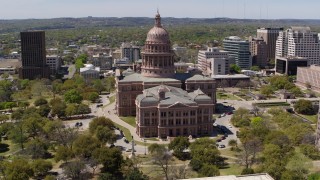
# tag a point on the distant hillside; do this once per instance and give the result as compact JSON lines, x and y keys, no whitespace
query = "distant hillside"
{"x":94,"y":22}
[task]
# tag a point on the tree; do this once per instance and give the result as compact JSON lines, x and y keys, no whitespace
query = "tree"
{"x":3,"y":118}
{"x":310,"y":151}
{"x":63,"y":153}
{"x":71,"y":109}
{"x":235,"y":68}
{"x":41,"y":167}
{"x":18,"y":135}
{"x":99,"y":86}
{"x":136,"y":174}
{"x":44,"y":110}
{"x":84,"y":146}
{"x":241,"y":117}
{"x":58,"y":107}
{"x":73,"y":169}
{"x":40,"y":101}
{"x":233,"y":143}
{"x":110,"y":84}
{"x":73,"y":96}
{"x":178,"y":145}
{"x":83,"y":109}
{"x":303,"y":106}
{"x":161,"y":157}
{"x":208,"y":170}
{"x":266,"y":90}
{"x":251,"y":147}
{"x":110,"y":158}
{"x":18,"y":169}
{"x":247,"y":171}
{"x":93,"y":96}
{"x":255,"y":68}
{"x":299,"y":164}
{"x":106,"y":135}
{"x":100,"y":121}
{"x":37,"y":148}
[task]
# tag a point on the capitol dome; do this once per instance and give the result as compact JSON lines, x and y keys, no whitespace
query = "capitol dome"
{"x":158,"y":34}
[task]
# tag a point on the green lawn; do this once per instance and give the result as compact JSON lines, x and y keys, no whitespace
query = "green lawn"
{"x":272,"y":104}
{"x":111,"y":99}
{"x":312,"y":118}
{"x":130,"y":120}
{"x":222,"y":95}
{"x":232,"y":169}
{"x":126,"y":131}
{"x":12,"y":147}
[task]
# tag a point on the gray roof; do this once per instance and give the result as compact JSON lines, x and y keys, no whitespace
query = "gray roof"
{"x":173,"y":96}
{"x":133,"y":77}
{"x":198,"y":95}
{"x":198,"y":77}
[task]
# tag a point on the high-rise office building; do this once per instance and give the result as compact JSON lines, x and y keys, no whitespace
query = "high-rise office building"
{"x":239,"y":50}
{"x":258,"y":49}
{"x":299,"y":42}
{"x":130,"y":52}
{"x":269,"y":35}
{"x":33,"y":55}
{"x":210,"y":59}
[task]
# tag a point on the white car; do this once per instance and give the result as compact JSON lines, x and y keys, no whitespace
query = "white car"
{"x":229,"y":126}
{"x":223,"y":115}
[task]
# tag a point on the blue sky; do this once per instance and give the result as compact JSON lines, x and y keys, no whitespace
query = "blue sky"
{"x":254,"y":9}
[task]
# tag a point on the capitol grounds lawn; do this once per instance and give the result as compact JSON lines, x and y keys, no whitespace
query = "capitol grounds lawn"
{"x":312,"y":118}
{"x":8,"y":148}
{"x":130,"y":120}
{"x":225,"y":96}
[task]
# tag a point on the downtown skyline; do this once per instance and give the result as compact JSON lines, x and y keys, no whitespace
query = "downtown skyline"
{"x":241,"y":9}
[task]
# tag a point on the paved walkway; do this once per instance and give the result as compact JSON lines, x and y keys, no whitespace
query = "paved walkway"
{"x":115,"y":118}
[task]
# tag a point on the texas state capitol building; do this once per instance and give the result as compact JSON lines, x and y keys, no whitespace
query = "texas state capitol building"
{"x":165,"y":103}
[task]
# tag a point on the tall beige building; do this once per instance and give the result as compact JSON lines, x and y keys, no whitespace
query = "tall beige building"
{"x":299,"y":42}
{"x":269,"y":35}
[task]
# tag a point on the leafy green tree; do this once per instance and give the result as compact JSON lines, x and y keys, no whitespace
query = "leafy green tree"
{"x":310,"y":151}
{"x":178,"y":145}
{"x":314,"y":176}
{"x":18,"y":135}
{"x":266,"y":90}
{"x":73,"y":96}
{"x":297,"y":132}
{"x":110,"y":84}
{"x":3,"y":118}
{"x":247,"y":171}
{"x":99,"y":86}
{"x":296,"y":91}
{"x":299,"y":164}
{"x":18,"y":169}
{"x":84,"y":145}
{"x":93,"y":96}
{"x":233,"y":143}
{"x":241,"y":117}
{"x":40,"y":101}
{"x":110,"y":158}
{"x":83,"y":109}
{"x":100,"y":121}
{"x":303,"y":106}
{"x":136,"y":174}
{"x":37,"y":148}
{"x":235,"y":68}
{"x":58,"y":107}
{"x":255,"y":68}
{"x":71,"y":109}
{"x":41,"y":167}
{"x":208,"y":170}
{"x":44,"y":110}
{"x":63,"y":153}
{"x":106,"y":135}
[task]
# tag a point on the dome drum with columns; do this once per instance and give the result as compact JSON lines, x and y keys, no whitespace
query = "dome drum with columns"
{"x":157,"y":58}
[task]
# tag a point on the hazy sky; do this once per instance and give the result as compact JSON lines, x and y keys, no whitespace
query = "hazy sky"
{"x":256,"y":9}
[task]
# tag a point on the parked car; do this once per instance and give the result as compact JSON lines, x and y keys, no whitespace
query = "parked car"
{"x":218,"y":140}
{"x":126,"y":140}
{"x":229,"y":113}
{"x":223,"y":115}
{"x":222,"y":146}
{"x":223,"y":138}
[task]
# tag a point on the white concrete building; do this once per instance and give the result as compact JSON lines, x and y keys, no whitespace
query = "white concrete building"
{"x":299,"y":42}
{"x":54,"y":63}
{"x":211,"y":59}
{"x":90,"y":72}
